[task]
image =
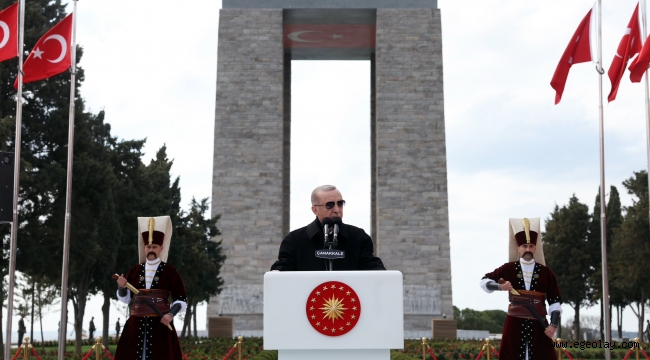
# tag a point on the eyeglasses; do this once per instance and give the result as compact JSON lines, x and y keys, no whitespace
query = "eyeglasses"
{"x":330,"y":204}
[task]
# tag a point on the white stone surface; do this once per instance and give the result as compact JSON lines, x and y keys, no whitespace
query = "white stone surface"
{"x":334,"y":354}
{"x":380,"y":326}
{"x":472,"y":334}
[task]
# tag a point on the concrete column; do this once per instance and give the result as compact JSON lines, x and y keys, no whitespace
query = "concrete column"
{"x":250,"y":174}
{"x":411,"y":175}
{"x":373,"y":153}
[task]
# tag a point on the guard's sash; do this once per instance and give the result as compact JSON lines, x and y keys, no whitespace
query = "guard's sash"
{"x":527,"y":305}
{"x":146,"y":298}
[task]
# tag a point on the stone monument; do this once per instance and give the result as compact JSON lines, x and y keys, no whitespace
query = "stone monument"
{"x":409,"y":208}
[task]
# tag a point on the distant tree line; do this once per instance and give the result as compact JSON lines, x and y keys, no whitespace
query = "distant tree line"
{"x":111,"y":188}
{"x":490,"y":320}
{"x":572,"y":247}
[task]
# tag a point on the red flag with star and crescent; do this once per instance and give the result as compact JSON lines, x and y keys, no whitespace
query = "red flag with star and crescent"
{"x":9,"y":32}
{"x":578,"y":51}
{"x":640,"y":64}
{"x":333,"y":308}
{"x":51,"y":54}
{"x":329,"y":36}
{"x":629,"y":46}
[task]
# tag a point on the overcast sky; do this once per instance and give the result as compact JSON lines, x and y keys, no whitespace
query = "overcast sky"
{"x":151,"y":65}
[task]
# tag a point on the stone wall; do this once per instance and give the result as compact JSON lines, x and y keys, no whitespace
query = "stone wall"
{"x":411,"y":164}
{"x":250,"y":167}
{"x":408,"y":159}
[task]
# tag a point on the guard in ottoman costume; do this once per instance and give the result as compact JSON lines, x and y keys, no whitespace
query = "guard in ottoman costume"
{"x":145,"y":335}
{"x":527,"y":334}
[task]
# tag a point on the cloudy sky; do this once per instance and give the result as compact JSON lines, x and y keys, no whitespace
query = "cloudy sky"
{"x":151,"y":65}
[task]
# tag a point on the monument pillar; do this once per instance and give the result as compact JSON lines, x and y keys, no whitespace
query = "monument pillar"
{"x":411,"y":164}
{"x":251,"y":188}
{"x":250,"y":182}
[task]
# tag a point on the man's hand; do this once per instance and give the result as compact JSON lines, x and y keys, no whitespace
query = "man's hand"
{"x":121,"y":281}
{"x":506,"y":286}
{"x":166,"y":319}
{"x":550,"y":331}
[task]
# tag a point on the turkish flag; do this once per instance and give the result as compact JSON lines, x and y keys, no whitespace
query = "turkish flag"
{"x":9,"y":32}
{"x":51,"y":54}
{"x":578,"y":51}
{"x":640,"y":64}
{"x":329,"y":36}
{"x":629,"y":46}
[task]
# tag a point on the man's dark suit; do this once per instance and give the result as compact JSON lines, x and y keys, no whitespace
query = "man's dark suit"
{"x":297,"y":251}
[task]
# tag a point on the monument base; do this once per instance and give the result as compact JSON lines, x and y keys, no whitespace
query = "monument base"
{"x":353,"y":354}
{"x":443,"y":329}
{"x":220,"y":327}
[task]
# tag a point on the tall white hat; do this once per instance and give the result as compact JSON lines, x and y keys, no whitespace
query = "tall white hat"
{"x":161,"y":234}
{"x":519,"y":235}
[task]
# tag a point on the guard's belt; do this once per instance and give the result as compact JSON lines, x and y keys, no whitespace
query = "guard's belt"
{"x":142,"y":301}
{"x":523,"y":305}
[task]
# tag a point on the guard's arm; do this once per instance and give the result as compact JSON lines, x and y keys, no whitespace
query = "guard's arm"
{"x":555,"y":318}
{"x":488,"y":285}
{"x":124,"y":295}
{"x":493,"y":285}
{"x":175,"y":309}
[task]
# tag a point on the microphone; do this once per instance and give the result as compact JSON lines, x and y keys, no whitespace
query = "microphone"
{"x":329,"y":253}
{"x":327,"y":222}
{"x":337,"y":223}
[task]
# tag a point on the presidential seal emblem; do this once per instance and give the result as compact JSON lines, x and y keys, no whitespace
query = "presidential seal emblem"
{"x":333,"y":308}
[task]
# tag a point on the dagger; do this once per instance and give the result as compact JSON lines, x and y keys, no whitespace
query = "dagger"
{"x":512,"y":291}
{"x":149,"y":303}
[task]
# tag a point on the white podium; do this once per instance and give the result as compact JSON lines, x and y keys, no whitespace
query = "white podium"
{"x":341,"y":315}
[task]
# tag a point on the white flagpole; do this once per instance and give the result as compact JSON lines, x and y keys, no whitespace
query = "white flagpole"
{"x":603,"y":204}
{"x":17,"y":143}
{"x":647,"y":91}
{"x":68,"y":195}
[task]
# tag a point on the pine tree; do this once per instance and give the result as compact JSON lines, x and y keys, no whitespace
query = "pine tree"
{"x":201,"y":258}
{"x":95,"y":229}
{"x":40,"y":15}
{"x":567,"y":252}
{"x":630,"y":251}
{"x":614,"y":218}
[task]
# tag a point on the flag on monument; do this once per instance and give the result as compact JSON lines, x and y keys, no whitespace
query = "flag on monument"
{"x":320,"y":36}
{"x":629,"y":46}
{"x":9,"y":32}
{"x":640,"y":64}
{"x":578,"y":51}
{"x":51,"y":54}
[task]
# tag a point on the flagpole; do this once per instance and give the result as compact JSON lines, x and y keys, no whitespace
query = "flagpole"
{"x":647,"y":90}
{"x":603,"y":206}
{"x":17,"y":143}
{"x":68,"y":195}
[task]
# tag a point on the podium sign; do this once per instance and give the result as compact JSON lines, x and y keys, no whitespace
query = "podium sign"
{"x":340,"y":315}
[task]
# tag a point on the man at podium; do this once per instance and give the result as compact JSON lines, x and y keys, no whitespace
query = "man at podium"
{"x":298,"y":249}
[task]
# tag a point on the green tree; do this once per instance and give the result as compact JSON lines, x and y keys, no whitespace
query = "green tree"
{"x":98,"y":197}
{"x":126,"y":161}
{"x":39,"y":17}
{"x":631,"y":246}
{"x":46,"y":297}
{"x":139,"y":191}
{"x":614,"y":222}
{"x":567,"y":252}
{"x":202,"y":258}
{"x":94,"y":228}
{"x":614,"y":218}
{"x":5,"y":229}
{"x":490,"y":320}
